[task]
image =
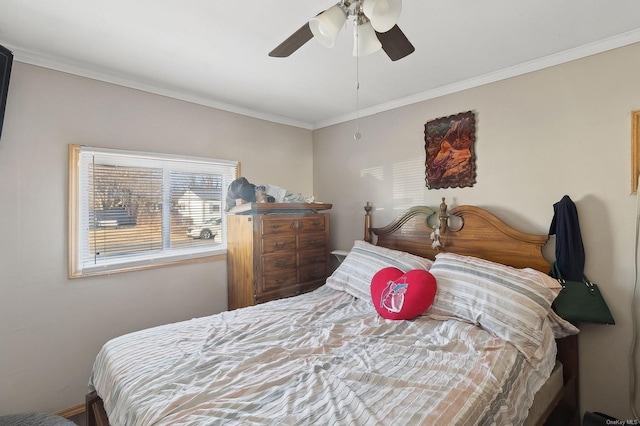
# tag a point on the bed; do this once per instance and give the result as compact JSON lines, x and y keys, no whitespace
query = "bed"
{"x":489,"y":350}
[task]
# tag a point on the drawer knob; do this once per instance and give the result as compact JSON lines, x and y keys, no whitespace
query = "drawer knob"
{"x":279,"y":245}
{"x":281,"y":280}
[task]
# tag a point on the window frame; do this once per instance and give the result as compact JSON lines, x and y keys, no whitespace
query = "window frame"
{"x":168,"y":257}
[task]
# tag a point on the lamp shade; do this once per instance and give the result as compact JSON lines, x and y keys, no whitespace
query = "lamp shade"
{"x":383,"y":14}
{"x":326,"y":25}
{"x":365,"y":40}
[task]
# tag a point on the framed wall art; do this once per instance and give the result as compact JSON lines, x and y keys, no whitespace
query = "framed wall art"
{"x":449,"y":145}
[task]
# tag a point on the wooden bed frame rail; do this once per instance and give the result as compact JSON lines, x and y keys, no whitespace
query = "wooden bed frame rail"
{"x":96,"y":416}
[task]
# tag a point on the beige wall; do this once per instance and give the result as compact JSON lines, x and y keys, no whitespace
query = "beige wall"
{"x":562,"y":130}
{"x":51,"y":327}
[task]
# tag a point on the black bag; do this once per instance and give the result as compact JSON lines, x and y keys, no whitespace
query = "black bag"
{"x":580,"y":301}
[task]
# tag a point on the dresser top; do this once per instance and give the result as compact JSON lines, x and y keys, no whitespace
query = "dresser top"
{"x":265,"y":208}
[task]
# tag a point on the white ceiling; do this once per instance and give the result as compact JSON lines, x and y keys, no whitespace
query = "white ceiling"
{"x":215,"y":52}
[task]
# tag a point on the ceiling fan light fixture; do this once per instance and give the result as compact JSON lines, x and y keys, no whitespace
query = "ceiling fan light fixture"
{"x":365,"y":41}
{"x":383,"y":14}
{"x":325,"y":26}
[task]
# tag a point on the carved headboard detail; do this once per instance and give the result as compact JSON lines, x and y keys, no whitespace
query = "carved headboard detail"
{"x":479,"y":233}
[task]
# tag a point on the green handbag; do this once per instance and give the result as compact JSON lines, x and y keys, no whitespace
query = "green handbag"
{"x":580,"y":301}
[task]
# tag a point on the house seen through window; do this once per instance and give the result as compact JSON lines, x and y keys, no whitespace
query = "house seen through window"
{"x":132,"y":210}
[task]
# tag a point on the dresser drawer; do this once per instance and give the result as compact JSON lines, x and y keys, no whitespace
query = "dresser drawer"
{"x":278,"y":280}
{"x":312,"y":257}
{"x":311,"y":241}
{"x":312,"y":223}
{"x":310,"y":286}
{"x":278,"y":244}
{"x":278,"y":261}
{"x":270,"y":225}
{"x":312,"y":272}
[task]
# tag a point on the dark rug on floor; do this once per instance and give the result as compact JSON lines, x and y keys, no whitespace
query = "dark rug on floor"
{"x":34,"y":419}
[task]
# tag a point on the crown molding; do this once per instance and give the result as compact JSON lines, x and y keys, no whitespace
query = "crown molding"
{"x":70,"y":67}
{"x":580,"y":52}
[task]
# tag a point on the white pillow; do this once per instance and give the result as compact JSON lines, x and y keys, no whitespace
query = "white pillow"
{"x":358,"y":268}
{"x":510,"y":303}
{"x":560,"y":326}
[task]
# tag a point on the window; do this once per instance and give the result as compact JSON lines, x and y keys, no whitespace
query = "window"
{"x":133,"y":210}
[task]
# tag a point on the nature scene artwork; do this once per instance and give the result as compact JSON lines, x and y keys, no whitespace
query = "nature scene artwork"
{"x":449,"y":145}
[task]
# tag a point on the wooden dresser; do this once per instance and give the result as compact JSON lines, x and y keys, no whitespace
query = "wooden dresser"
{"x":275,"y":251}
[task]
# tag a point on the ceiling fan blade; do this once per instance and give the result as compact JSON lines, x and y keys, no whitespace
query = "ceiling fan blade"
{"x":395,"y":44}
{"x":293,"y":43}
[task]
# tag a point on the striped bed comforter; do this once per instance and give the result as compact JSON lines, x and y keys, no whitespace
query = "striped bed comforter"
{"x":320,"y":358}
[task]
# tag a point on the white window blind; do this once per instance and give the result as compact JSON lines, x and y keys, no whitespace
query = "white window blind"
{"x":136,"y":210}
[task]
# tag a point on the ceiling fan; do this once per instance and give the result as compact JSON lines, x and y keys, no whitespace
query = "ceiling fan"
{"x":374,"y":25}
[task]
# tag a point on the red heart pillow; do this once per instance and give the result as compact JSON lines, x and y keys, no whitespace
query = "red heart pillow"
{"x":402,"y":296}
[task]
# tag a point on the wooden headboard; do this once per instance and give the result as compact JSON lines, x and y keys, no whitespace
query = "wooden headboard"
{"x":466,"y":230}
{"x":473,"y":231}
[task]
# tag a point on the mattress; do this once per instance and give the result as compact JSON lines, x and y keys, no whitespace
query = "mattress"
{"x":320,"y":358}
{"x":546,"y":396}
